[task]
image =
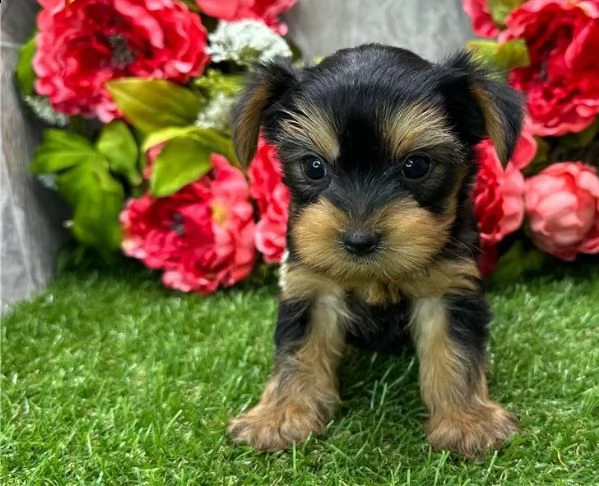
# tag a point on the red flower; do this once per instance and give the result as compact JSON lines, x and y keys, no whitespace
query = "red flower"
{"x":561,"y":83}
{"x":202,"y":236}
{"x":266,"y":10}
{"x":272,"y":197}
{"x":150,"y":156}
{"x":562,"y":203}
{"x":498,"y":195}
{"x":82,"y":44}
{"x":482,"y":22}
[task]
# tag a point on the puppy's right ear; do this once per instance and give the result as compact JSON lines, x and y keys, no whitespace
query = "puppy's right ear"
{"x":267,"y":84}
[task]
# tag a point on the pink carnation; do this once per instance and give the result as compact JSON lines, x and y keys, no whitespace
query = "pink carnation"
{"x":272,"y":197}
{"x":202,"y":236}
{"x":561,"y":82}
{"x":498,"y":195}
{"x":83,"y":44}
{"x":562,"y":203}
{"x":479,"y":13}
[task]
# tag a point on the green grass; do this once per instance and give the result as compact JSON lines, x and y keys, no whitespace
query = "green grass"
{"x":109,"y":379}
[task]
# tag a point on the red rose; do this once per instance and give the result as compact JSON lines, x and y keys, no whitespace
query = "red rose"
{"x":482,"y":22}
{"x":83,"y":44}
{"x":266,"y":10}
{"x":562,"y":203}
{"x":498,"y":195}
{"x":272,"y":197}
{"x":561,"y":82}
{"x":202,"y":236}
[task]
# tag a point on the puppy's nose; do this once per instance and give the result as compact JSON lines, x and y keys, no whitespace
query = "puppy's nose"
{"x":361,"y":242}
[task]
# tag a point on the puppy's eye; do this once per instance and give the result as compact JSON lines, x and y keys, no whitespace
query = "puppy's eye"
{"x":314,"y":168}
{"x":415,"y":166}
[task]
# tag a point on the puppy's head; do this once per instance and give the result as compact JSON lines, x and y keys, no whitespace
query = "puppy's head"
{"x":377,"y":150}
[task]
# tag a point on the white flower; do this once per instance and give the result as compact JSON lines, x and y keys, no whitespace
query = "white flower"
{"x":245,"y":42}
{"x":48,"y":181}
{"x":216,"y":113}
{"x":40,"y":105}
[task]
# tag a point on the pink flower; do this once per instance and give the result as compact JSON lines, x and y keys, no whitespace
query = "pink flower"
{"x":202,"y":236}
{"x":482,"y":22}
{"x":82,"y":44}
{"x":272,"y":197}
{"x":151,"y":155}
{"x":561,"y":82}
{"x":498,"y":194}
{"x":268,"y":11}
{"x":562,"y":203}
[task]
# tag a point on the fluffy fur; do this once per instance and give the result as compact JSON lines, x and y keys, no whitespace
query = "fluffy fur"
{"x":376,"y":255}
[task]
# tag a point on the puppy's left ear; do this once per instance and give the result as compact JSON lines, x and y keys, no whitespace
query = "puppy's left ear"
{"x":267,"y":85}
{"x":482,"y":106}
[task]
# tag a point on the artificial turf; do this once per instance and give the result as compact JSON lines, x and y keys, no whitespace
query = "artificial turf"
{"x":109,"y":379}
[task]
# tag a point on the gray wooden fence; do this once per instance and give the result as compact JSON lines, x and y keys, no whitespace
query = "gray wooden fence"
{"x":31,"y":218}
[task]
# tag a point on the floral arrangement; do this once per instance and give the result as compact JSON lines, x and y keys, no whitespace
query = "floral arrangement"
{"x":545,"y":202}
{"x":137,"y":95}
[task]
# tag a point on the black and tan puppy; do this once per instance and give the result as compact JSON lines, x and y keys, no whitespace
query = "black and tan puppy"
{"x":377,"y":147}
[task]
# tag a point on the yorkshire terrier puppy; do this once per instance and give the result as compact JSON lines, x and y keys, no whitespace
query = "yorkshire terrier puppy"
{"x":378,"y":150}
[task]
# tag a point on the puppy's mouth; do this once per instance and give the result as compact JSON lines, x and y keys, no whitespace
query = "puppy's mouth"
{"x":386,"y":247}
{"x":355,"y":256}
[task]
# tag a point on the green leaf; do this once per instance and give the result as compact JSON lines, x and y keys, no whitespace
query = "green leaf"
{"x":61,"y":149}
{"x":212,"y":139}
{"x":152,"y":104}
{"x":97,"y":200}
{"x":165,"y":135}
{"x":216,"y":142}
{"x":214,"y":81}
{"x":500,"y":9}
{"x":192,"y":5}
{"x":25,"y":74}
{"x":183,"y":161}
{"x":503,"y":56}
{"x":118,"y":145}
{"x":541,"y":159}
{"x":517,"y":261}
{"x":580,"y":139}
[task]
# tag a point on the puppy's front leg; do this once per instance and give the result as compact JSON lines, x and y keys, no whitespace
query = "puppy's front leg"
{"x":450,"y":334}
{"x":302,"y":393}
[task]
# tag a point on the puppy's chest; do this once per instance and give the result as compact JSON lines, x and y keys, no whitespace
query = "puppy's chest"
{"x":376,"y":293}
{"x":378,"y":326}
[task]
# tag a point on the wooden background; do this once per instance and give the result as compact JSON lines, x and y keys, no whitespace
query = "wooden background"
{"x":31,"y":216}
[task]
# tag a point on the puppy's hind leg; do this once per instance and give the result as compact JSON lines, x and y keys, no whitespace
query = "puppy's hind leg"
{"x":302,"y":393}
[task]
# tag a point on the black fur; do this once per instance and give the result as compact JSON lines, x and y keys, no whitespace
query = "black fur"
{"x":469,"y":317}
{"x":292,"y":322}
{"x":353,"y":85}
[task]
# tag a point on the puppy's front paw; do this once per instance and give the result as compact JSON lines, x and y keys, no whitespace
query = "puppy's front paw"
{"x":274,"y":428}
{"x":472,"y":433}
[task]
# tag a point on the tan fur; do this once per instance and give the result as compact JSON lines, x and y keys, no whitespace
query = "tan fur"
{"x":302,"y":394}
{"x":493,"y":122}
{"x":454,"y":389}
{"x":416,"y":127}
{"x":313,"y":128}
{"x":303,"y":284}
{"x":443,"y":277}
{"x":376,"y":292}
{"x":247,"y":127}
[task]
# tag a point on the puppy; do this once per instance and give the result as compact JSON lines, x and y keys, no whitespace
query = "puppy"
{"x":378,"y":150}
